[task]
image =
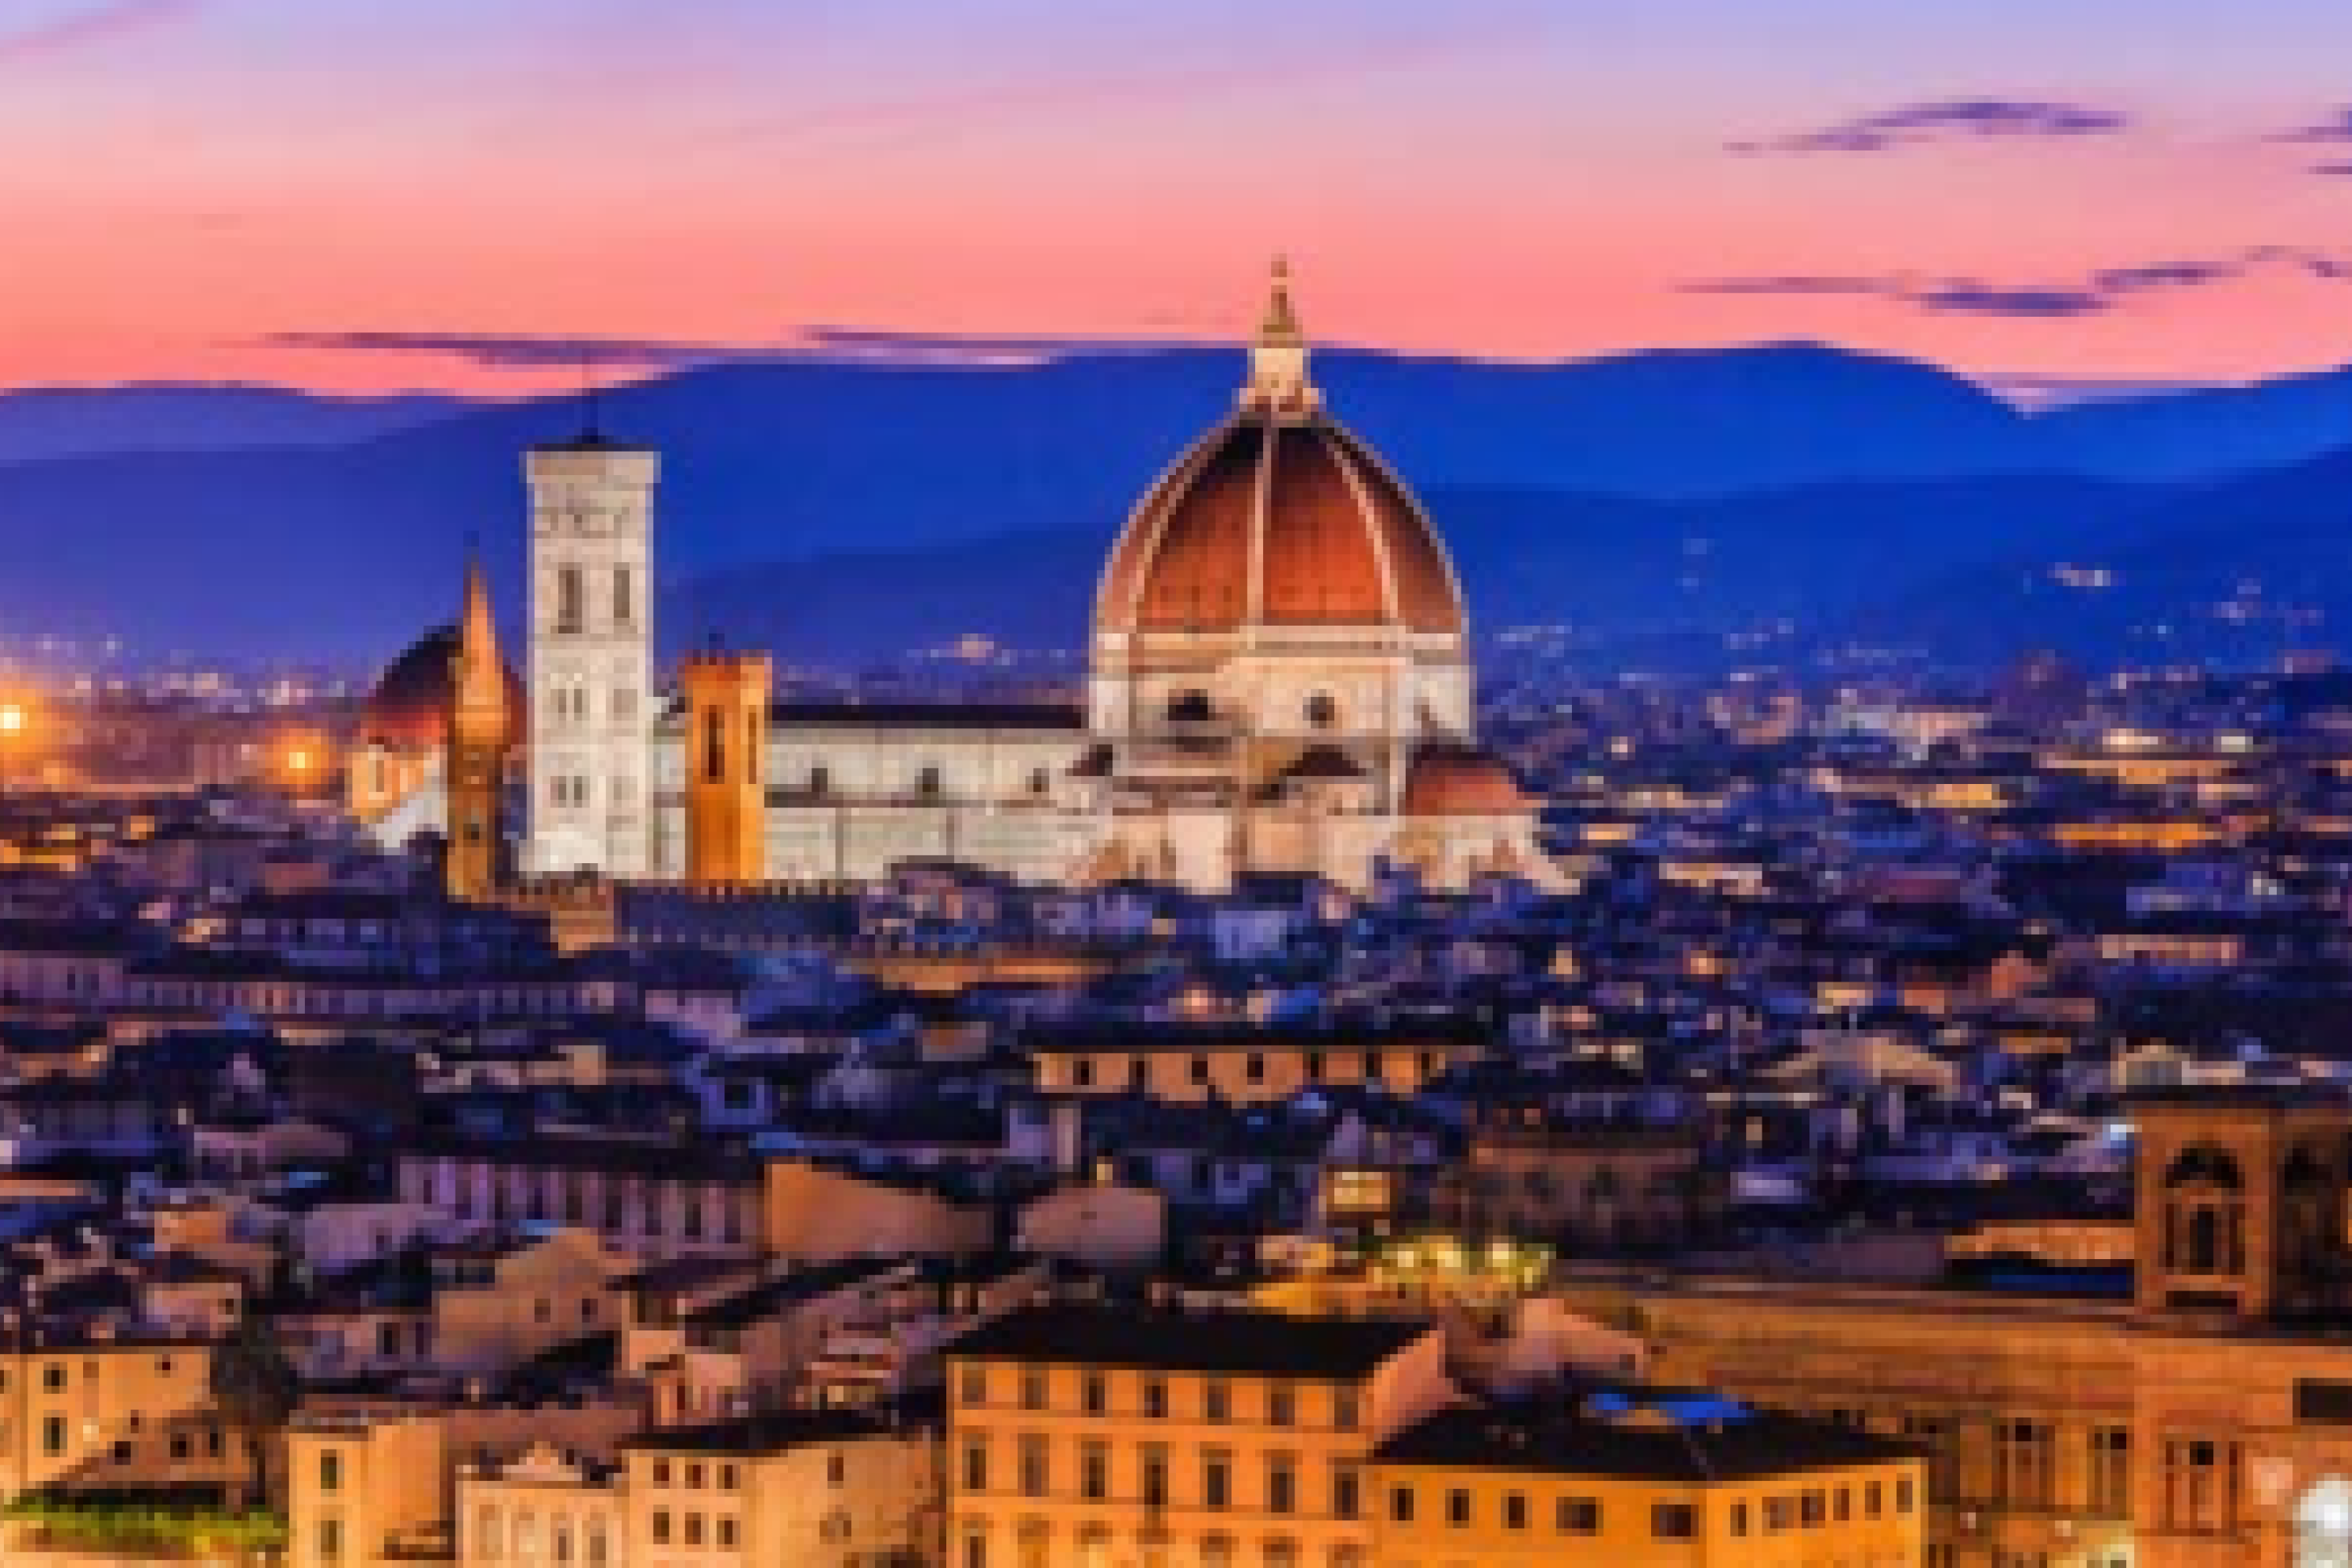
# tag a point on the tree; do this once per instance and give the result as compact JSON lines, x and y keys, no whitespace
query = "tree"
{"x":256,"y":1391}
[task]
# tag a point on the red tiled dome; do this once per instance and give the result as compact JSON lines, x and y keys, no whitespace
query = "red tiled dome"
{"x":409,"y":704}
{"x":1279,"y":517}
{"x":1274,"y":521}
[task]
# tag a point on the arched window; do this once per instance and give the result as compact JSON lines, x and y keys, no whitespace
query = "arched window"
{"x":623,"y":598}
{"x":752,"y":745}
{"x":571,"y":604}
{"x":714,"y":745}
{"x":820,"y":781}
{"x":2204,"y":1165}
{"x":927,"y":781}
{"x":1322,"y":710}
{"x":1040,"y":781}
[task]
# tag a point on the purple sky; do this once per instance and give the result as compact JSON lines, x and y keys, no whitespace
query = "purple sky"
{"x":349,"y":193}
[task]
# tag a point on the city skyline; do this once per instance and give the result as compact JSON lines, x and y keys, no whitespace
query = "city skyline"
{"x":482,"y":199}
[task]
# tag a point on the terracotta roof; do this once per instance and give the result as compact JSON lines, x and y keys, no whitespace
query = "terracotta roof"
{"x":1717,"y":1441}
{"x":1278,"y":521}
{"x":1264,"y":1344}
{"x":409,"y":704}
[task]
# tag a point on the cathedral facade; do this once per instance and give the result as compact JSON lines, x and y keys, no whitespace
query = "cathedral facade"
{"x":1280,"y":680}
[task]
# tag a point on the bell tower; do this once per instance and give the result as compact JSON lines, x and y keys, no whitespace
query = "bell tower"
{"x":726,"y":701}
{"x":592,"y":697}
{"x":2239,"y":1202}
{"x":475,"y":767}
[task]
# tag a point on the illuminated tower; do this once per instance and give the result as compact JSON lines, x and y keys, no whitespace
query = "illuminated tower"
{"x":480,"y":729}
{"x":725,"y":699}
{"x":591,"y":657}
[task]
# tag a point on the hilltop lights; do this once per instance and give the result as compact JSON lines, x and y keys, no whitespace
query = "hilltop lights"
{"x":15,"y":730}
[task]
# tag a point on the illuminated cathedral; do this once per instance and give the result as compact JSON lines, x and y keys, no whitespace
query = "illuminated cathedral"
{"x":1280,"y":680}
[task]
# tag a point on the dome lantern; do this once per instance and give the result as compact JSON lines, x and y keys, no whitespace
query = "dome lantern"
{"x":1280,"y":516}
{"x":1277,"y":379}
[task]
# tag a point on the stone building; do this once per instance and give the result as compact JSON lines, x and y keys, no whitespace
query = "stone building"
{"x":2202,"y":1419}
{"x":1280,"y":681}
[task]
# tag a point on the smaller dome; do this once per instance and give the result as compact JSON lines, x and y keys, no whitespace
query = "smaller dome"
{"x":409,"y":705}
{"x":1461,"y":780}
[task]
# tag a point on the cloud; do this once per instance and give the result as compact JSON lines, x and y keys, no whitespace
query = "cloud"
{"x":2334,"y":131}
{"x":91,"y":26}
{"x":822,"y":342}
{"x":902,"y":346}
{"x":2091,"y":295}
{"x":1949,"y":120}
{"x":517,"y":351}
{"x":1968,"y":297}
{"x":1943,"y":296}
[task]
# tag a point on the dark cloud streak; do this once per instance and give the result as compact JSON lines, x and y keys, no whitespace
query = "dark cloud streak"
{"x":2096,"y":294}
{"x":2333,"y":131}
{"x":827,"y":342}
{"x":1949,"y":120}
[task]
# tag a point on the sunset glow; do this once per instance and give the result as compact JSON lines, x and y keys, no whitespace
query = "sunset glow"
{"x":234,"y":188}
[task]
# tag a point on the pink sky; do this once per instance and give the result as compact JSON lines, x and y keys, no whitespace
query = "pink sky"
{"x":189,"y":183}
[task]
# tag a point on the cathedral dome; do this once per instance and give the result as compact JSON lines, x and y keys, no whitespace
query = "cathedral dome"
{"x":409,"y":704}
{"x":1279,"y":517}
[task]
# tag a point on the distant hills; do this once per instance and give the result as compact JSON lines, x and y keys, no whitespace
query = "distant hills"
{"x":86,"y":421}
{"x":849,"y":511}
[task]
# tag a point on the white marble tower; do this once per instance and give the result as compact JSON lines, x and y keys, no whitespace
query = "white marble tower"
{"x":591,"y":675}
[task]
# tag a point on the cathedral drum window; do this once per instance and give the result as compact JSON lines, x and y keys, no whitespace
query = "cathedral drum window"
{"x":1322,"y":710}
{"x":1191,"y":706}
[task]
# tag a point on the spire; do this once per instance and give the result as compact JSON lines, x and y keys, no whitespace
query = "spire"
{"x":1277,"y":368}
{"x":1281,"y":324}
{"x":479,"y":687}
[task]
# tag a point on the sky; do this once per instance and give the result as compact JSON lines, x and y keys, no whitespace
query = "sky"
{"x":481,"y":195}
